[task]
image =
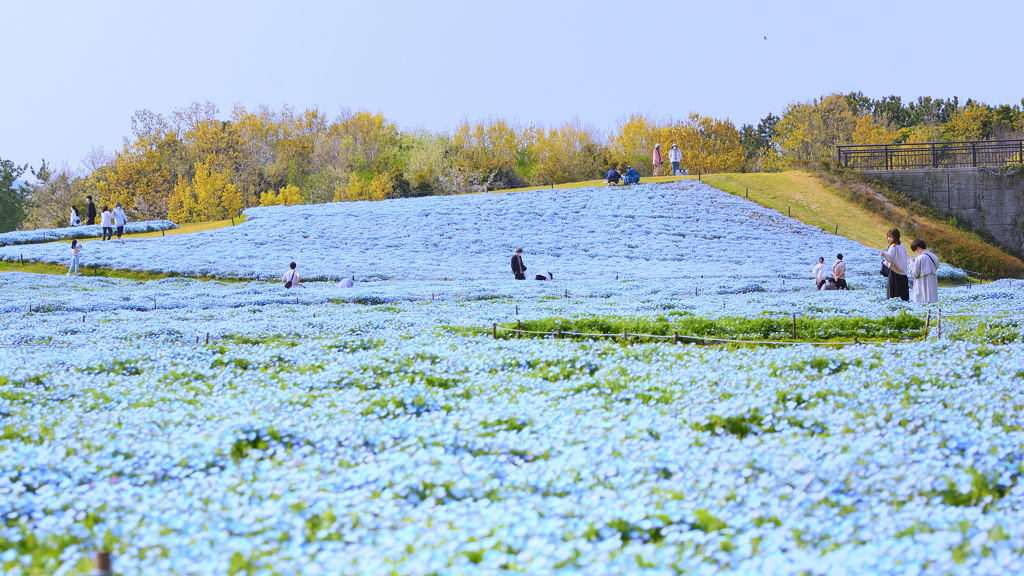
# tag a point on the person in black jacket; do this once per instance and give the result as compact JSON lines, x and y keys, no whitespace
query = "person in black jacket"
{"x":518,"y":268}
{"x":90,"y":211}
{"x":612,"y":177}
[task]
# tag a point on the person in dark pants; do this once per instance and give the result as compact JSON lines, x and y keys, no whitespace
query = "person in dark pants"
{"x":613,"y":176}
{"x":896,"y":259}
{"x":90,"y":211}
{"x":518,"y":268}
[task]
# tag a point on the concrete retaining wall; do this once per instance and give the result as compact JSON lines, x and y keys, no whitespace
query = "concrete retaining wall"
{"x":984,"y":200}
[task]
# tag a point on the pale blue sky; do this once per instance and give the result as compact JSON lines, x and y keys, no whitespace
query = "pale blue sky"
{"x":76,"y":71}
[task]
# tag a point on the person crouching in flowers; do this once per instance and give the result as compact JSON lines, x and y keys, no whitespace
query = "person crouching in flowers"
{"x":291,"y":278}
{"x":926,"y":283}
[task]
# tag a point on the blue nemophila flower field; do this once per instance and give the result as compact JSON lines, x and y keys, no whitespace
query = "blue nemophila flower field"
{"x":380,"y":430}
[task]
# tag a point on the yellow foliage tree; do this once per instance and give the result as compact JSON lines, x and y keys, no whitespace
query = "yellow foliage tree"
{"x":967,"y":123}
{"x":288,"y":196}
{"x":811,"y":131}
{"x":210,"y":196}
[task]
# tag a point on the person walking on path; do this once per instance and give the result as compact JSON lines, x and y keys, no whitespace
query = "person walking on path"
{"x":656,"y":160}
{"x":107,"y":221}
{"x":120,"y":220}
{"x":90,"y":211}
{"x":896,"y":260}
{"x":926,"y":283}
{"x":76,"y":220}
{"x":675,"y":156}
{"x":839,"y":272}
{"x":518,"y":268}
{"x":291,"y":278}
{"x":76,"y":250}
{"x":818,"y":273}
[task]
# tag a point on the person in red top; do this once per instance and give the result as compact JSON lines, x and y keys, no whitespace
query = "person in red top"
{"x":656,"y":160}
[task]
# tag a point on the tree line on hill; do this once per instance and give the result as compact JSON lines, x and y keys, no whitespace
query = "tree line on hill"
{"x":195,"y":165}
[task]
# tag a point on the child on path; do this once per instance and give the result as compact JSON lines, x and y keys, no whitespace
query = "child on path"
{"x":76,"y":250}
{"x":106,"y":220}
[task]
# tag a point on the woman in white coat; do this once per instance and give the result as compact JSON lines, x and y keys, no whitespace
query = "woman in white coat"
{"x":76,"y":220}
{"x":120,"y":220}
{"x":926,"y":283}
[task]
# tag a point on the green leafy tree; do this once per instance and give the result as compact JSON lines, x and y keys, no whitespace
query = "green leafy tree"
{"x":12,"y":199}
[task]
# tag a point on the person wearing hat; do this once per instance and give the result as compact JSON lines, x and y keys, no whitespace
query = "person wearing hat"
{"x":675,"y":156}
{"x":656,"y":160}
{"x":518,"y":268}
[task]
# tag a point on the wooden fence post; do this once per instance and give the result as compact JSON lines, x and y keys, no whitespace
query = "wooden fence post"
{"x":794,"y":325}
{"x":625,"y":335}
{"x":519,"y":329}
{"x":940,"y":323}
{"x":102,"y":564}
{"x":675,"y":338}
{"x":207,"y":337}
{"x":494,"y":330}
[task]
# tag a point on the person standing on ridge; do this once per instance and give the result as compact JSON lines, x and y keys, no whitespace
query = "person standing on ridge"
{"x":675,"y":156}
{"x":107,"y":221}
{"x":90,"y":211}
{"x":518,"y":268}
{"x":656,"y":160}
{"x":119,"y":220}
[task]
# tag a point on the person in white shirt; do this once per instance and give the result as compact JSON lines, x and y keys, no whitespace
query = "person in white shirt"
{"x":106,"y":220}
{"x":76,"y":220}
{"x":291,"y":278}
{"x":896,"y":260}
{"x":926,"y":283}
{"x":543,"y":275}
{"x":675,"y":156}
{"x":839,"y":273}
{"x":119,"y":220}
{"x":818,"y":272}
{"x":346,"y":283}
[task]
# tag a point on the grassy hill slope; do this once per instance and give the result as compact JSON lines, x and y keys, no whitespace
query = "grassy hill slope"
{"x":866,"y":211}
